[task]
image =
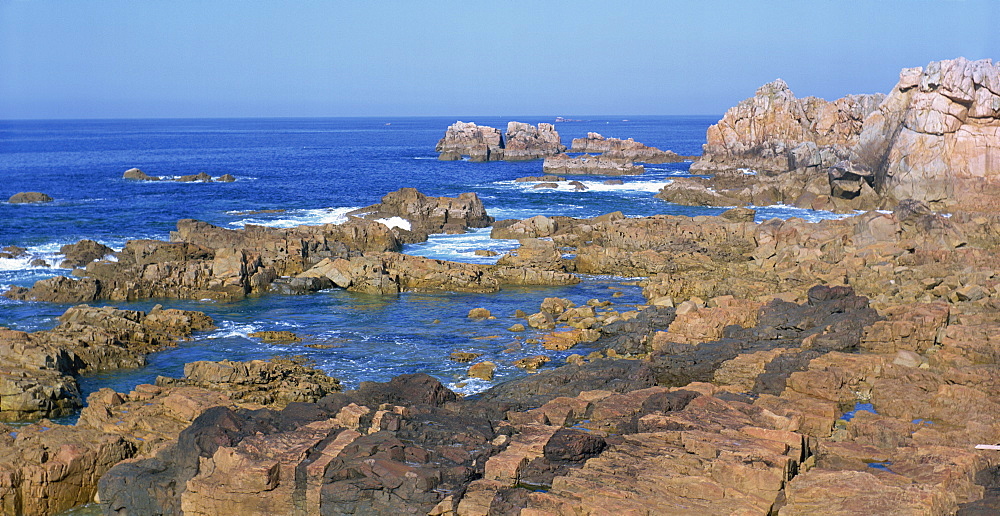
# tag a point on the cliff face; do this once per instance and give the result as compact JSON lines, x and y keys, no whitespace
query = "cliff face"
{"x":936,"y":138}
{"x":774,"y":130}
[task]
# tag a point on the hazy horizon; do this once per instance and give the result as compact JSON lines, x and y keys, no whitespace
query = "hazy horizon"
{"x":118,"y":59}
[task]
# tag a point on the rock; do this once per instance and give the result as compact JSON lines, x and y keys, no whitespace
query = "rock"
{"x":29,"y":197}
{"x":50,"y":468}
{"x":205,"y":261}
{"x":480,"y":143}
{"x":136,"y":174}
{"x":274,"y":383}
{"x":485,"y":252}
{"x":516,"y":327}
{"x":613,"y":182}
{"x":548,"y":178}
{"x":13,"y":251}
{"x":627,"y":150}
{"x":226,"y":178}
{"x":531,"y":363}
{"x":780,"y":123}
{"x":276,"y":336}
{"x":82,"y":253}
{"x":38,"y":370}
{"x":482,"y":370}
{"x":590,"y":165}
{"x":525,"y":142}
{"x":934,"y":138}
{"x":201,"y":176}
{"x":425,"y":215}
{"x":479,"y":313}
{"x":463,"y":356}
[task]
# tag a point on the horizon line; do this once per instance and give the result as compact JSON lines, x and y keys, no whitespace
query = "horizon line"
{"x":568,"y":118}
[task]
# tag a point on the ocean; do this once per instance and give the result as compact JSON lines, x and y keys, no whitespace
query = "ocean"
{"x":313,"y":171}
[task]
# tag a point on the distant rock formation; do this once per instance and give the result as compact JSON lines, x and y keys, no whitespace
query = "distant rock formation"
{"x":587,"y":164}
{"x":482,"y":143}
{"x":526,"y":142}
{"x":478,"y":142}
{"x":138,"y":175}
{"x":623,"y":150}
{"x":29,"y":197}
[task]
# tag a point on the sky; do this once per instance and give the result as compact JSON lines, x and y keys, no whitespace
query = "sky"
{"x":304,"y":58}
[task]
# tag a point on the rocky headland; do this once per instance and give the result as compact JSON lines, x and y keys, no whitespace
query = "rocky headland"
{"x":784,"y":367}
{"x":933,"y":138}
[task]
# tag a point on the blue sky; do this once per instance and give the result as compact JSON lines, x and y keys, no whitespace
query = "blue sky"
{"x":221,"y":58}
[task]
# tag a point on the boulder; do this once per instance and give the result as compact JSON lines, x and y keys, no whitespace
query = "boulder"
{"x":82,"y":253}
{"x":138,"y":175}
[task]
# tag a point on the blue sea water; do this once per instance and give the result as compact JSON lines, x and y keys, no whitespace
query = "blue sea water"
{"x":315,"y":170}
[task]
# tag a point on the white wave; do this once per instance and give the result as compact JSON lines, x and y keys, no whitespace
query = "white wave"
{"x":783,"y":211}
{"x":462,"y":247}
{"x":229,"y":329}
{"x":395,"y":222}
{"x":653,"y":186}
{"x":470,"y":386}
{"x":293,"y":218}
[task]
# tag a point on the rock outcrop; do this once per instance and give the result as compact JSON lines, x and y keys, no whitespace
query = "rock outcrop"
{"x":526,"y":142}
{"x":479,"y":143}
{"x":935,"y":138}
{"x":29,"y":197}
{"x":204,"y":177}
{"x":482,"y":143}
{"x":426,"y":215}
{"x":623,"y":150}
{"x":38,"y":370}
{"x":775,"y":131}
{"x":82,"y":253}
{"x":590,"y":165}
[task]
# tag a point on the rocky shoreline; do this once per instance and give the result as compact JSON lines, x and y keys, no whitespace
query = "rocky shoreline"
{"x":787,"y":367}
